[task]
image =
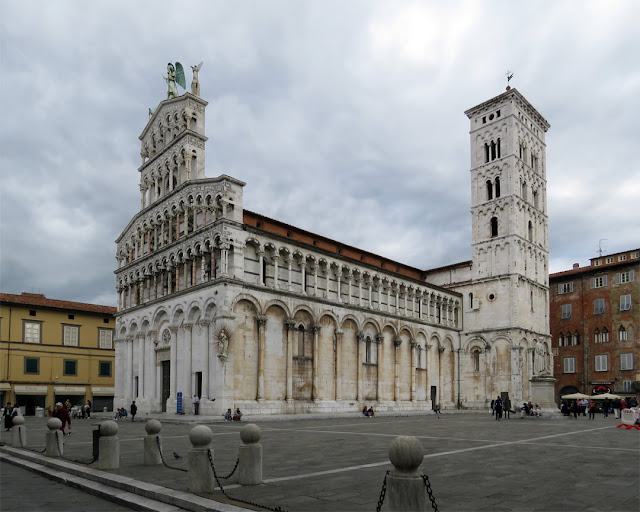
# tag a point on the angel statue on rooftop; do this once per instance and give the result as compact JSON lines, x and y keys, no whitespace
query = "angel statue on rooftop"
{"x":175,"y":77}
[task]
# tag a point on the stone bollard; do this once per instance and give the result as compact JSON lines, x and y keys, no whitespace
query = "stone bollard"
{"x":152,"y":443}
{"x":18,"y":432}
{"x":200,"y":473}
{"x":54,"y":447}
{"x":109,"y":454}
{"x":250,"y":455}
{"x":405,"y":486}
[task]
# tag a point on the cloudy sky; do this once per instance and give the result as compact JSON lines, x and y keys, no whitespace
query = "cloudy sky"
{"x":343,"y":118}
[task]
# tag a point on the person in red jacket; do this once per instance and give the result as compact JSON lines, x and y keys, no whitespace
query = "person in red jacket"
{"x":63,"y":415}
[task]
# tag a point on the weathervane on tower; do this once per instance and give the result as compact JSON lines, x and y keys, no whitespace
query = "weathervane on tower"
{"x":509,"y":75}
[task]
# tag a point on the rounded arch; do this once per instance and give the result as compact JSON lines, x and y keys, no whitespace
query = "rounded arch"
{"x":248,"y":298}
{"x":193,"y":312}
{"x":373,"y":322}
{"x":350,"y":318}
{"x":279,"y":303}
{"x":330,"y":314}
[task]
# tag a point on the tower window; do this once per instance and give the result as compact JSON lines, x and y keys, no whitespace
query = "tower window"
{"x":530,"y":232}
{"x":489,"y":190}
{"x":524,"y":190}
{"x":493,"y":150}
{"x":497,"y":187}
{"x":494,"y":226}
{"x":476,"y":360}
{"x":471,"y":301}
{"x":486,"y":153}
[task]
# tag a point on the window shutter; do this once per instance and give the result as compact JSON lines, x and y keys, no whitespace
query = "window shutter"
{"x":593,"y":282}
{"x":618,"y":276}
{"x":604,"y":280}
{"x":559,"y":288}
{"x":631,"y":276}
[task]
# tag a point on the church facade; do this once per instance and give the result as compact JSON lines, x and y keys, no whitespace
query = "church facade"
{"x":217,"y":301}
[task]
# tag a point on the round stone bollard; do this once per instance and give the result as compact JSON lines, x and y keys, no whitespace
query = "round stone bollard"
{"x":54,"y":447}
{"x":405,"y":486}
{"x":200,"y":473}
{"x":250,"y":455}
{"x":109,"y":446}
{"x":19,"y":432}
{"x":152,"y":443}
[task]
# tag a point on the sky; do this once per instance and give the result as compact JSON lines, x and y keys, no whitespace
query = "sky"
{"x":345,"y":119}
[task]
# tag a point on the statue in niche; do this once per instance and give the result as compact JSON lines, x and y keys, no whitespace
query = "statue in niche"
{"x":175,"y":77}
{"x":203,"y":270}
{"x":223,"y":344}
{"x":195,"y":83}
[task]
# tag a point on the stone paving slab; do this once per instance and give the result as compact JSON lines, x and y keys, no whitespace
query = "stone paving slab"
{"x":473,"y":461}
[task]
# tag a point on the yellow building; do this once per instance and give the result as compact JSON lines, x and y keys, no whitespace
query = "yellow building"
{"x":54,"y":350}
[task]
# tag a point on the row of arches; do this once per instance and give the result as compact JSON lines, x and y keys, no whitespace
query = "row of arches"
{"x":166,"y":128}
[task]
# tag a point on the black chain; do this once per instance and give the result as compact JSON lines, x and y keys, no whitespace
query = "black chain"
{"x":24,"y":447}
{"x":232,"y":471}
{"x":215,"y":475}
{"x":383,"y":492}
{"x":427,"y":484}
{"x":72,"y":460}
{"x":162,"y":457}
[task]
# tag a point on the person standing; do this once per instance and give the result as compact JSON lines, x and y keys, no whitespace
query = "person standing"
{"x":592,"y":410}
{"x":507,"y":407}
{"x":605,"y":407}
{"x":8,"y":416}
{"x":134,"y":409}
{"x":498,"y":408}
{"x":196,"y":405}
{"x":493,"y":407}
{"x":617,"y":407}
{"x":63,"y":415}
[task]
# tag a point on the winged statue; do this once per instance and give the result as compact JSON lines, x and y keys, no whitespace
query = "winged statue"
{"x":175,"y":77}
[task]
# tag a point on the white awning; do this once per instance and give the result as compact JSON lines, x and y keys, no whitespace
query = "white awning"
{"x":30,"y":390}
{"x":4,"y":386}
{"x":71,"y":390}
{"x":96,"y":391}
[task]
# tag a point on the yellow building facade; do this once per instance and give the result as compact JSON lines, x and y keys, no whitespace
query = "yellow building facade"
{"x":54,"y":350}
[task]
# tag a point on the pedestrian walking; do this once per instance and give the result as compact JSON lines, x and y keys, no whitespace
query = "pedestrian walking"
{"x":592,"y":410}
{"x":196,"y":405}
{"x":498,"y":408}
{"x":493,"y":407}
{"x":63,"y":415}
{"x":606,"y":405}
{"x":507,"y":407}
{"x":133,"y":408}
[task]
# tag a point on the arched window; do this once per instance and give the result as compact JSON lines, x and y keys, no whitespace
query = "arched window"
{"x":471,"y":301}
{"x":475,"y":359}
{"x":489,"y":190}
{"x":576,"y":338}
{"x":493,"y":150}
{"x":497,"y":188}
{"x":419,"y":357}
{"x":561,"y":340}
{"x":622,"y":334}
{"x":524,"y":190}
{"x":535,"y":198}
{"x":530,"y":232}
{"x":597,"y":337}
{"x":605,"y":335}
{"x":494,"y":226}
{"x":367,"y":350}
{"x":498,"y":147}
{"x":301,"y":340}
{"x":486,"y":153}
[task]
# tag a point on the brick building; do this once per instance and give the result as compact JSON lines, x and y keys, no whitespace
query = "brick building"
{"x":595,"y":317}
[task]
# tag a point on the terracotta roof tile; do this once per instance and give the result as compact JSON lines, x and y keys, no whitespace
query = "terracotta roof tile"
{"x":38,"y":299}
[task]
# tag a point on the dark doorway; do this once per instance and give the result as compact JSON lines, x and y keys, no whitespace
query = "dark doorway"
{"x":166,"y":384}
{"x":434,"y":397}
{"x":30,"y":402}
{"x":199,"y":384}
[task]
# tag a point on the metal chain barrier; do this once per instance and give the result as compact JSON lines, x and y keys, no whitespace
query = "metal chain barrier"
{"x":383,"y":492}
{"x":215,"y":475}
{"x":162,"y":458}
{"x":26,"y":448}
{"x":232,"y":471}
{"x":427,"y":484}
{"x":72,"y":460}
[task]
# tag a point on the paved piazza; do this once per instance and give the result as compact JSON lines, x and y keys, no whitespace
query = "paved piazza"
{"x":473,"y":461}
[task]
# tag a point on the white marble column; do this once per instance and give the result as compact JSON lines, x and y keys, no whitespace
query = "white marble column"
{"x":141,"y":363}
{"x":379,"y":341}
{"x":290,"y":326}
{"x":314,"y":369}
{"x":338,"y":383}
{"x":262,"y":320}
{"x":205,"y":367}
{"x":359,"y":338}
{"x":173,"y":359}
{"x":412,"y":345}
{"x":188,"y":365}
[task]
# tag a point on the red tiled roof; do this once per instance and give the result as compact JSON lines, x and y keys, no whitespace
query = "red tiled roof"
{"x":38,"y":299}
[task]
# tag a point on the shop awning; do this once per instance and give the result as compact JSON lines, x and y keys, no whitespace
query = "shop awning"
{"x":69,"y":390}
{"x":5,"y":386}
{"x":96,"y":391}
{"x":30,"y":390}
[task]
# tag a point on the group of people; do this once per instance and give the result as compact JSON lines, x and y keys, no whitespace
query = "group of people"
{"x":529,"y":409}
{"x":579,"y":407}
{"x":237,"y":416}
{"x":8,"y":413}
{"x":500,"y":407}
{"x":367,"y":412}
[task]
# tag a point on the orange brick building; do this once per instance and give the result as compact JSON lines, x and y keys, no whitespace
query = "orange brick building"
{"x":595,"y":319}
